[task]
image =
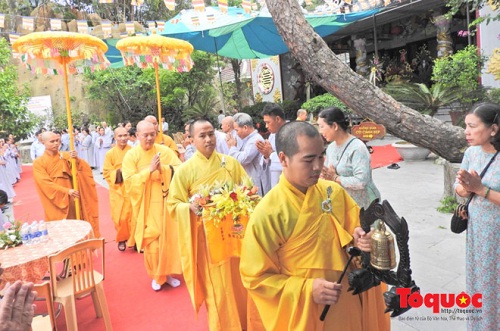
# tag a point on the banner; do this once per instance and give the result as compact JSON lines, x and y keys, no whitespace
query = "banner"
{"x":28,"y":23}
{"x":170,"y":4}
{"x":199,"y":5}
{"x":247,"y":6}
{"x":266,"y":80}
{"x":55,"y":24}
{"x":13,"y":37}
{"x":129,"y":26}
{"x":161,"y":25}
{"x":106,"y":29}
{"x":223,"y":6}
{"x":82,"y":27}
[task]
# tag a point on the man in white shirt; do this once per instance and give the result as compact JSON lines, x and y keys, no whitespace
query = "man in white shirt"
{"x":37,"y":147}
{"x":107,"y":130}
{"x":246,"y":153}
{"x":274,"y":117}
{"x":164,"y":125}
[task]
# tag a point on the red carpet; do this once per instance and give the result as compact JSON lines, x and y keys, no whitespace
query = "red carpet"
{"x":384,"y":155}
{"x":133,"y":305}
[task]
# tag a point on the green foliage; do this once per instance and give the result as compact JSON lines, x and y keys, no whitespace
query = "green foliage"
{"x":320,"y":102}
{"x":448,"y":205}
{"x":255,"y":110}
{"x":493,"y":95}
{"x":130,"y":92}
{"x":422,"y":98}
{"x":229,"y":93}
{"x":460,"y":71}
{"x":15,"y":117}
{"x":60,"y":120}
{"x":456,"y":5}
{"x":127,"y":91}
{"x":290,"y":108}
{"x":204,"y":108}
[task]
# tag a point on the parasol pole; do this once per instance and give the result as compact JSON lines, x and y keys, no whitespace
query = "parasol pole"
{"x":158,"y":100}
{"x":71,"y":139}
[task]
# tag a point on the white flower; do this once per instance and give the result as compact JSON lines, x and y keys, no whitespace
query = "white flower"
{"x":12,"y":237}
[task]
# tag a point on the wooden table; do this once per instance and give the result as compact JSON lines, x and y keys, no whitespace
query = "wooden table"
{"x":31,"y":262}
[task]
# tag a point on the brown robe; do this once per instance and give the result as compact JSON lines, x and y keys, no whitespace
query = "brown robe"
{"x":53,"y":181}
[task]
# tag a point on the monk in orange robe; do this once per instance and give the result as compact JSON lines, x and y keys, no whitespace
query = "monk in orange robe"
{"x":121,"y":208}
{"x":147,"y":171}
{"x":217,"y":284}
{"x":161,"y":138}
{"x":53,"y":179}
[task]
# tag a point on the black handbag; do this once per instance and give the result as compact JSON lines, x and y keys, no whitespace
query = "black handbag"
{"x":460,"y":216}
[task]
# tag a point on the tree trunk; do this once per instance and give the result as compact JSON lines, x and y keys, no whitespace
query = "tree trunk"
{"x":235,"y":63}
{"x":357,"y":92}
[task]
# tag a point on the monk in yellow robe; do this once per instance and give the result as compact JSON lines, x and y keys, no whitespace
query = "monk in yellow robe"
{"x":147,"y":171}
{"x":293,"y":252}
{"x":121,"y":208}
{"x":53,"y":179}
{"x":218,"y":285}
{"x":162,"y":139}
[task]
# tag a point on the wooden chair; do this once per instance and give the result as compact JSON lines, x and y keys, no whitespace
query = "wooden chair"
{"x":81,"y":279}
{"x":41,"y":322}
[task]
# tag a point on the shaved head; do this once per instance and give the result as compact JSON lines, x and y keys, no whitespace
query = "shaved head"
{"x":146,"y":133}
{"x":286,"y":139}
{"x":151,"y":119}
{"x":51,"y":141}
{"x":142,"y":125}
{"x":119,"y":130}
{"x":121,"y":137}
{"x":227,"y":124}
{"x":47,"y":135}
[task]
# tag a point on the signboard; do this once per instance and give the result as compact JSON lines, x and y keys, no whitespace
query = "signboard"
{"x":368,"y":131}
{"x":266,"y":80}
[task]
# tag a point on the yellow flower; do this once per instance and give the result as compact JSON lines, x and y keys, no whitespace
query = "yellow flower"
{"x":229,"y":199}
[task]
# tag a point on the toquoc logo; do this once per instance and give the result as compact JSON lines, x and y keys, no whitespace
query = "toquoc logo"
{"x":437,"y":301}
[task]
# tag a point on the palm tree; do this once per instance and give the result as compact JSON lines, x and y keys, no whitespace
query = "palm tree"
{"x":205,"y":107}
{"x":422,"y":98}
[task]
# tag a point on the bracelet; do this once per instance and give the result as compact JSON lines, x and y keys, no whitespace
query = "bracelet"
{"x":487,"y":192}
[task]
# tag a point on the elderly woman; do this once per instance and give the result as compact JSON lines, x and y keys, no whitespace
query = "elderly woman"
{"x":483,"y":230}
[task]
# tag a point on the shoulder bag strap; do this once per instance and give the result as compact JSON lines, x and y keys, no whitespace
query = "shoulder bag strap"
{"x":350,"y":141}
{"x":482,"y":174}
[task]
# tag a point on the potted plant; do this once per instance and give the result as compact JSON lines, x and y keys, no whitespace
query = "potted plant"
{"x":410,"y":152}
{"x":422,"y":98}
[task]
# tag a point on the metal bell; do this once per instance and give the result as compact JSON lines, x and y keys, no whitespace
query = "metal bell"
{"x":383,"y":256}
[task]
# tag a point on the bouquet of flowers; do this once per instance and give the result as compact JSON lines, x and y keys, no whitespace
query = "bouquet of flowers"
{"x":225,"y":209}
{"x":10,"y":236}
{"x":227,"y":199}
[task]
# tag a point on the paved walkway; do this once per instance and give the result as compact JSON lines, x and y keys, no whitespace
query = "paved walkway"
{"x":437,"y":255}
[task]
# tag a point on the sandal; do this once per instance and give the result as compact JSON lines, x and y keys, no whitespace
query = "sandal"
{"x":122,"y":245}
{"x":394,"y":166}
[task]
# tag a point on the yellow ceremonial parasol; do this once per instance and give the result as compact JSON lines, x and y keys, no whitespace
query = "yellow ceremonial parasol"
{"x":153,"y":51}
{"x":56,"y":52}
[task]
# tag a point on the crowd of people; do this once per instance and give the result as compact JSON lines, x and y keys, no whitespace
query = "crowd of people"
{"x":10,"y":172}
{"x":295,"y":245}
